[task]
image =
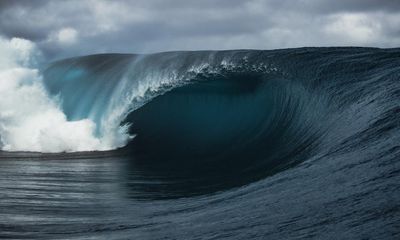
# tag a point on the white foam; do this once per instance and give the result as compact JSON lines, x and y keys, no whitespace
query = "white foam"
{"x":30,"y":120}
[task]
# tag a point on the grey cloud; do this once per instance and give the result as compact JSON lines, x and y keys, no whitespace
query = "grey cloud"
{"x":357,"y":5}
{"x":333,"y":6}
{"x":73,"y":27}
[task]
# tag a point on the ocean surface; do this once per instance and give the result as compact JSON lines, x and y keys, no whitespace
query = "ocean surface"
{"x":242,"y":144}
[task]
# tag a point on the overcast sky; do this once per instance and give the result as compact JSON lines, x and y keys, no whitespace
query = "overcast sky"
{"x":77,"y":27}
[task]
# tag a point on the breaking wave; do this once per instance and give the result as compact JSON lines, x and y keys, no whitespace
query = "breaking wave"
{"x":203,"y":117}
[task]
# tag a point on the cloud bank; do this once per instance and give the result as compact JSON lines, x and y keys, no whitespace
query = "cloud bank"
{"x":74,"y":27}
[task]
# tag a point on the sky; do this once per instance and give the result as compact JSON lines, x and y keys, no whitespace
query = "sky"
{"x":69,"y":28}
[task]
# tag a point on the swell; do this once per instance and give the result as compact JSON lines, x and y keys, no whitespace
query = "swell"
{"x":206,"y":121}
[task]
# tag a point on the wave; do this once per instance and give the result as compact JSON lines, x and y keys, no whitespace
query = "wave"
{"x":215,"y":119}
{"x":230,"y":95}
{"x":210,"y":117}
{"x":295,"y":141}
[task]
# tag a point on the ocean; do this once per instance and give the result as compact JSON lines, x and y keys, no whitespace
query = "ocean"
{"x":242,"y":144}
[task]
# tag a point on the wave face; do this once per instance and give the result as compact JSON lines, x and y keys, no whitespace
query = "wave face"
{"x":208,"y":117}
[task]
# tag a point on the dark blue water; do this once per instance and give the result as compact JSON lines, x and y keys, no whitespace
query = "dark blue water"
{"x":285,"y":144}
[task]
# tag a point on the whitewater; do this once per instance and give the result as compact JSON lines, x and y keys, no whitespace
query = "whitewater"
{"x":30,"y":119}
